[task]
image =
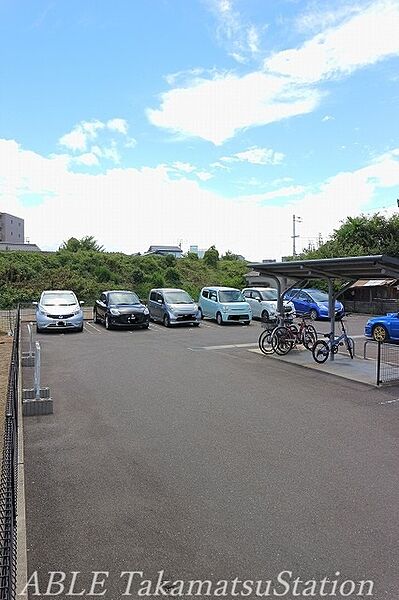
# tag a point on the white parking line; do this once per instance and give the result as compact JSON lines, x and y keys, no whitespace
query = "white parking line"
{"x":87,"y":330}
{"x":94,"y":327}
{"x":390,"y":401}
{"x":249,"y":345}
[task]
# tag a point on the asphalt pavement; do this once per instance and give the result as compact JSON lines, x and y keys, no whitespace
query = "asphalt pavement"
{"x":180,"y":450}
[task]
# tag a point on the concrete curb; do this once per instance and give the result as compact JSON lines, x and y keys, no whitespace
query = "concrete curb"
{"x":22,"y":554}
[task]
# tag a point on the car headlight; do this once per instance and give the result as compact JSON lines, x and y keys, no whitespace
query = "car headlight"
{"x":77,"y":312}
{"x":115,"y":312}
{"x":225,"y":308}
{"x":42,"y":312}
{"x":146,"y":311}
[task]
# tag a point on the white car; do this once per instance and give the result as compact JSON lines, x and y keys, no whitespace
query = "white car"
{"x":58,"y":309}
{"x":263,"y":302}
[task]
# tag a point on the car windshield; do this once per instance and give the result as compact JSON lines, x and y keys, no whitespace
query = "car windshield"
{"x":59,"y":299}
{"x":319,"y":296}
{"x":123,"y":298}
{"x":178,"y":297}
{"x":231,"y":296}
{"x":269,"y":295}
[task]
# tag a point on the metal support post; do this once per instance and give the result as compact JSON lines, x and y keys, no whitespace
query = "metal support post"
{"x":37,"y":371}
{"x":331,"y":312}
{"x":379,"y":363}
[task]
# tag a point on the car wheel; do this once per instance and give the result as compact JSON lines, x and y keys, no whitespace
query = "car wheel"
{"x":38,"y":329}
{"x":195,"y":324}
{"x":145,"y":326}
{"x":95,"y":317}
{"x":380,"y":333}
{"x":201,"y":315}
{"x":219,"y":319}
{"x":264,"y":316}
{"x":246,"y":322}
{"x":80,"y":329}
{"x":313,"y":314}
{"x":166,"y":321}
{"x":107,"y":323}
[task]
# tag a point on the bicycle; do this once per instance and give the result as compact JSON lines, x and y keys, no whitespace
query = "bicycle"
{"x":322,"y":349}
{"x":265,"y":341}
{"x":286,"y":337}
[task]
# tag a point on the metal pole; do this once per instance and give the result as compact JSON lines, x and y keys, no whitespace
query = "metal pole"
{"x":30,"y":332}
{"x":331,"y":311}
{"x":379,"y":363}
{"x":37,"y":371}
{"x":293,"y":236}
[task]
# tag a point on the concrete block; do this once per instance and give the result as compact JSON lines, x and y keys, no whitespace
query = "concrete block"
{"x":28,"y":359}
{"x":29,"y":394}
{"x":31,"y":408}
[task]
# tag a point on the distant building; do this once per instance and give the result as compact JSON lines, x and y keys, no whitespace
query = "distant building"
{"x":198,"y":251}
{"x":11,"y":229}
{"x":165,"y":250}
{"x":9,"y":247}
{"x":377,"y":296}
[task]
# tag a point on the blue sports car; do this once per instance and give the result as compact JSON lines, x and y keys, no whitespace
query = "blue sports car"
{"x":383,"y":328}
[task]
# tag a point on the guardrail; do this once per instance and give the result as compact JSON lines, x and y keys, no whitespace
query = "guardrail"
{"x":387,"y":363}
{"x":8,"y":484}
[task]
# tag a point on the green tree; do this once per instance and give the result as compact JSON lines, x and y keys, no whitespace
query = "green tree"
{"x":211,"y":257}
{"x":359,"y":236}
{"x":85,"y":243}
{"x":172,"y":276}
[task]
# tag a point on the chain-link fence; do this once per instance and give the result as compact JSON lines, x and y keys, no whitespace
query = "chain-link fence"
{"x":7,"y":321}
{"x":8,"y":485}
{"x":387,"y":363}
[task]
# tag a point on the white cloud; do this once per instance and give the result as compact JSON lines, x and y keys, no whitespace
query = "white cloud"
{"x":119,"y":125}
{"x":89,"y":159}
{"x":204,"y":175}
{"x":77,"y":139}
{"x":121,"y":194}
{"x":74,"y":140}
{"x":182,"y":166}
{"x":87,"y":132}
{"x":363,"y":39}
{"x":257,"y":156}
{"x":130,"y":142}
{"x":240,"y":37}
{"x":328,"y":118}
{"x":215,"y":109}
{"x":216,"y":106}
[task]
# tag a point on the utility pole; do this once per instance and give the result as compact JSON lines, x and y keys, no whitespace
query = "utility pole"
{"x":295,"y":220}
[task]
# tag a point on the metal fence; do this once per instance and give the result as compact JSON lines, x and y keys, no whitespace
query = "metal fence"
{"x":9,"y":479}
{"x":7,"y":321}
{"x":387,"y":363}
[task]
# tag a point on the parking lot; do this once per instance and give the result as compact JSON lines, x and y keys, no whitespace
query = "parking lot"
{"x":177,"y":449}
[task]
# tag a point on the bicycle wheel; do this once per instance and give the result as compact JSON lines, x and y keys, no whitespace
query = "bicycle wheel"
{"x":282,"y":340}
{"x":320,"y":351}
{"x":265,"y":342}
{"x":309,"y":337}
{"x":350,"y":345}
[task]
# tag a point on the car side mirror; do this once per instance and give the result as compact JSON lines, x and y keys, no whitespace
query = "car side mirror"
{"x":35,"y":303}
{"x":81,"y":302}
{"x":259,"y":299}
{"x":160,"y":302}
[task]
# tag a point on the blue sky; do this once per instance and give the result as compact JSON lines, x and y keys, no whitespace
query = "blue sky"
{"x":197,"y":121}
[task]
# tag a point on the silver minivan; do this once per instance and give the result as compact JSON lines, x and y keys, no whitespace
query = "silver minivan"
{"x":172,"y":306}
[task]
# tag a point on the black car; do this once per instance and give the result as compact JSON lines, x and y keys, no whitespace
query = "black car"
{"x":120,"y":308}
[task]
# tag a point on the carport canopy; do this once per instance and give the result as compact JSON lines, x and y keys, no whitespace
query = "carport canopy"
{"x":347,"y":269}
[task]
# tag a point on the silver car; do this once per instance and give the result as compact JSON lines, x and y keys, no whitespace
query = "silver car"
{"x":263,"y":302}
{"x":173,"y":306}
{"x":58,"y":309}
